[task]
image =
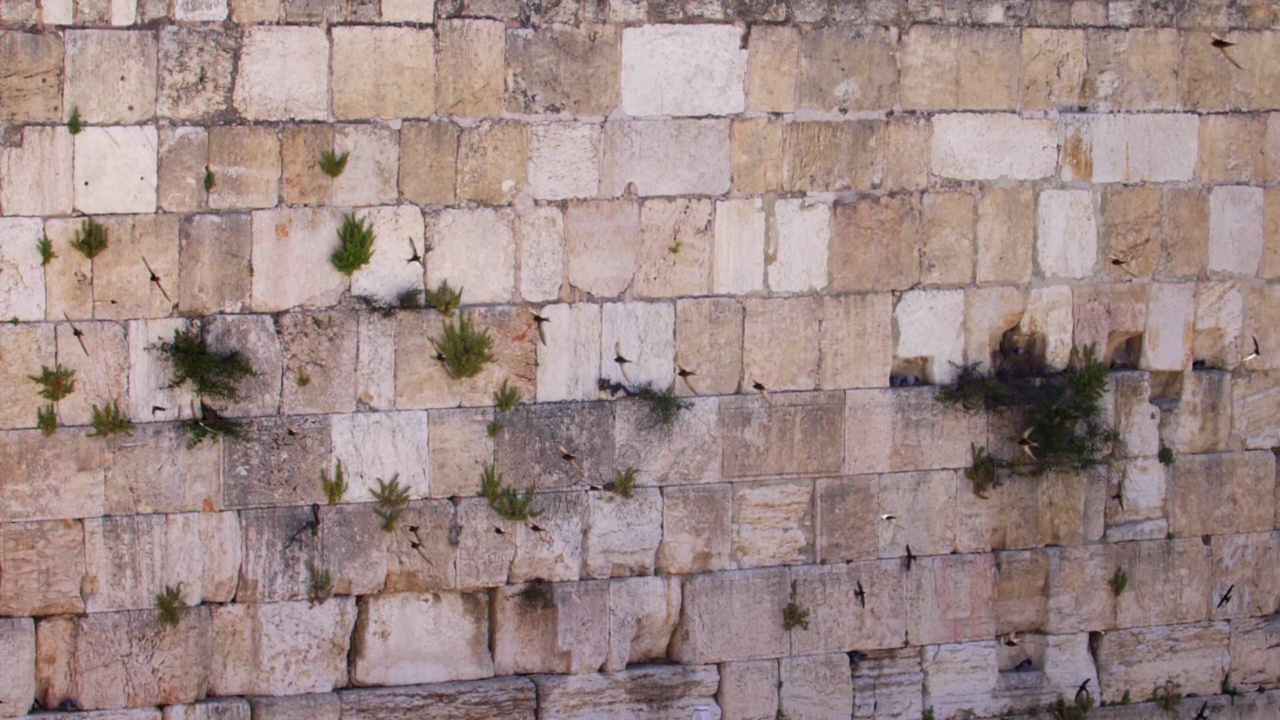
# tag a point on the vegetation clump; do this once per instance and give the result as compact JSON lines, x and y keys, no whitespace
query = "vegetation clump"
{"x":91,"y":238}
{"x":538,"y":593}
{"x":355,"y":245}
{"x":47,"y":419}
{"x":74,"y":122}
{"x":664,"y":405}
{"x":793,"y":615}
{"x":332,"y":164}
{"x":208,"y":179}
{"x":504,"y":500}
{"x":319,"y":585}
{"x":505,"y":398}
{"x":391,"y":502}
{"x":170,"y":604}
{"x":210,"y":424}
{"x":1167,"y":697}
{"x":45,"y":246}
{"x":56,"y":383}
{"x":212,"y":374}
{"x":108,"y":420}
{"x":1166,"y":456}
{"x":463,"y":349}
{"x":335,"y":487}
{"x":1118,"y":582}
{"x":444,"y":299}
{"x":624,"y":482}
{"x":1077,"y":709}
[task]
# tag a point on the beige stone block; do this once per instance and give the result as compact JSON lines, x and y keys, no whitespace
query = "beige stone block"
{"x":474,"y":250}
{"x":652,"y":154}
{"x":1129,"y":148}
{"x":245,"y":162}
{"x":428,"y":157}
{"x":1049,"y":316}
{"x":255,"y":11}
{"x":1255,"y":412}
{"x":375,"y":378}
{"x":796,"y":257}
{"x":1066,"y":234}
{"x":321,"y":706}
{"x":564,"y":160}
{"x":846,"y":524}
{"x":1253,"y":663}
{"x":562,"y":69}
{"x":732,"y":616}
{"x":1168,"y":581}
{"x":696,"y":524}
{"x":738,"y":264}
{"x":22,"y":288}
{"x":150,"y":375}
{"x":569,"y":361}
{"x":44,"y":563}
{"x":758,"y":155}
{"x":383,"y":72}
{"x":1245,"y":561}
{"x":373,"y":162}
{"x":213,"y":263}
{"x":281,"y":456}
{"x":160,"y":473}
{"x":1170,"y":315}
{"x":1022,"y":578}
{"x":24,"y":349}
{"x":121,"y":281}
{"x":601,"y":242}
{"x":53,"y":477}
{"x":413,"y":11}
{"x":749,"y":689}
{"x":816,"y":686}
{"x":1193,"y":656}
{"x":459,"y":449}
{"x":972,"y":146}
{"x":1199,"y":420}
{"x":1232,"y":149}
{"x":836,"y":624}
{"x":195,"y":67}
{"x":780,"y":343}
{"x":391,"y":272}
{"x":623,"y":534}
{"x":110,"y":76}
{"x":903,"y":153}
{"x":32,"y":90}
{"x":1134,"y":69}
{"x":256,"y":339}
{"x":1239,"y":499}
{"x":683,"y":70}
{"x":1004,"y":231}
{"x":1271,"y":251}
{"x":855,"y":341}
{"x":552,"y":548}
{"x":470,"y":72}
{"x":924,"y":501}
{"x":280,"y":648}
{"x":420,"y":561}
{"x":675,"y":254}
{"x":663,"y":691}
{"x":947,"y":68}
{"x":947,"y":237}
{"x":1131,"y":231}
{"x":709,"y":344}
{"x":101,"y":375}
{"x":906,"y":429}
{"x":213,"y":709}
{"x":37,"y":173}
{"x":1261,"y":323}
{"x":492,"y":162}
{"x":772,"y":523}
{"x":1053,"y":66}
{"x":1186,"y":229}
{"x":283,"y":74}
{"x":289,"y":269}
{"x":686,"y":452}
{"x":1136,"y":418}
{"x":540,"y":238}
{"x":799,"y":434}
{"x":643,"y":612}
{"x":989,"y":313}
{"x":484,"y":555}
{"x":184,"y":155}
{"x":772,"y":68}
{"x":115,"y":169}
{"x":1236,"y":229}
{"x":929,"y":326}
{"x":951,"y":598}
{"x":319,"y":351}
{"x":841,"y":68}
{"x":1209,"y":81}
{"x":889,"y":679}
{"x":376,"y":446}
{"x":559,"y":628}
{"x":18,"y":683}
{"x":930,"y":62}
{"x":830,"y":156}
{"x":387,"y":651}
{"x":422,"y":380}
{"x":503,"y":697}
{"x":1110,"y":317}
{"x":302,"y":182}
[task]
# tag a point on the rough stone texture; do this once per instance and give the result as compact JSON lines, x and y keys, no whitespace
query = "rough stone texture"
{"x":1067,"y":236}
{"x":115,"y":170}
{"x":1004,"y":231}
{"x":564,"y":160}
{"x":213,"y":263}
{"x":37,"y":173}
{"x":676,"y":70}
{"x":289,"y":268}
{"x":667,"y":692}
{"x":781,"y":343}
{"x":894,"y":430}
{"x":22,"y":287}
{"x":1129,"y":148}
{"x":1167,"y":342}
{"x":749,"y":689}
{"x":387,"y":650}
{"x":1235,"y":230}
{"x":264,"y":92}
{"x":676,"y":248}
{"x":428,"y":158}
{"x":370,"y":174}
{"x":195,"y":68}
{"x":623,"y":534}
{"x":1240,"y":500}
{"x":32,"y":88}
{"x":795,"y":435}
{"x":1193,"y":656}
{"x":648,"y":154}
{"x":18,"y":682}
{"x":732,"y":616}
{"x":373,"y":69}
{"x":280,"y":648}
{"x":44,"y":563}
{"x":184,"y":153}
{"x":110,"y":76}
{"x":562,"y":628}
{"x":696,"y":523}
{"x":492,"y":161}
{"x":929,"y":326}
{"x":601,"y":240}
{"x":504,"y":697}
{"x":875,"y":244}
{"x":991,"y":147}
{"x":245,"y":162}
{"x":560,"y":69}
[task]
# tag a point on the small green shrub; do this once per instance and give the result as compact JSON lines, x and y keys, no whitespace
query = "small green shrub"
{"x":410,"y":299}
{"x":47,"y":419}
{"x":664,"y":405}
{"x":90,"y":239}
{"x":208,"y":179}
{"x":391,"y":501}
{"x":1118,"y":582}
{"x":170,"y":604}
{"x":56,"y":383}
{"x":506,"y":398}
{"x":335,"y":487}
{"x":45,"y":246}
{"x":1166,"y":456}
{"x":211,"y":374}
{"x":463,"y":349}
{"x":444,"y":299}
{"x":319,"y":585}
{"x":490,"y":483}
{"x":332,"y":164}
{"x":302,"y":378}
{"x":1126,"y":698}
{"x":494,"y":428}
{"x":984,"y":472}
{"x":793,"y":615}
{"x":624,"y":482}
{"x":108,"y":420}
{"x":1168,"y":696}
{"x":355,"y":245}
{"x":538,"y":593}
{"x":506,"y":501}
{"x":74,"y":122}
{"x":1075,"y":710}
{"x":211,"y":424}
{"x":928,"y":714}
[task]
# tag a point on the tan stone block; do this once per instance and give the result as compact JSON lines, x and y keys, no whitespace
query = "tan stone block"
{"x":1022,"y":581}
{"x":387,"y":651}
{"x":1261,"y":323}
{"x":1053,"y":65}
{"x":18,"y":683}
{"x":903,"y":153}
{"x":564,"y":160}
{"x":929,"y":334}
{"x":732,"y":616}
{"x":709,"y":343}
{"x":124,"y":562}
{"x":780,"y":343}
{"x":245,"y":162}
{"x":38,"y":173}
{"x":649,"y":157}
{"x":925,"y":501}
{"x":372,"y":167}
{"x":988,"y":72}
{"x":989,"y":313}
{"x":255,"y":11}
{"x":696,"y":524}
{"x":830,"y":156}
{"x":842,"y":68}
{"x":319,"y":361}
{"x":1238,"y":499}
{"x":527,"y":452}
{"x":101,"y":375}
{"x":951,"y":598}
{"x":383,"y":72}
{"x":213,"y":263}
{"x":855,"y":341}
{"x":674,"y":257}
{"x":906,"y":429}
{"x":758,"y":155}
{"x":422,"y":381}
{"x":773,"y":59}
{"x":1134,"y":69}
{"x":32,"y":87}
{"x":290,"y":257}
{"x":946,"y":252}
{"x":875,"y":244}
{"x":1232,"y":149}
{"x":1170,"y":316}
{"x":1186,"y":231}
{"x":1199,"y":419}
{"x":1255,"y":410}
{"x":43,"y":567}
{"x":484,"y":555}
{"x":121,"y":287}
{"x":257,"y":341}
{"x":279,"y":465}
{"x":283,"y":73}
{"x":160,"y":473}
{"x":24,"y":349}
{"x":1210,"y":82}
{"x":423,"y":560}
{"x":1131,"y":231}
{"x":1110,"y":317}
{"x":428,"y":156}
{"x":1253,"y":662}
{"x":601,"y":242}
{"x":560,"y":628}
{"x":816,"y":686}
{"x":623,"y":534}
{"x":1169,"y":582}
{"x":302,"y":182}
{"x":460,"y":448}
{"x":280,"y":648}
{"x":556,"y":550}
{"x":184,"y":155}
{"x":513,"y":697}
{"x":800,"y":432}
{"x":846,"y":525}
{"x":1195,"y":657}
{"x":569,"y":361}
{"x":1246,"y":561}
{"x":492,"y":161}
{"x":53,"y":477}
{"x":110,"y":76}
{"x":470,"y":71}
{"x":772,"y":523}
{"x":275,"y":560}
{"x":663,"y":691}
{"x":1271,"y":251}
{"x":1136,"y":418}
{"x":930,"y":62}
{"x":1005,"y":228}
{"x":561,"y":69}
{"x":540,"y":239}
{"x":683,"y":70}
{"x":749,"y":689}
{"x":686,"y":452}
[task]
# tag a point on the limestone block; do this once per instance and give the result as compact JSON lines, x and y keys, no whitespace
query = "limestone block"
{"x":459,"y":448}
{"x":946,"y":253}
{"x":18,"y":681}
{"x":320,"y":359}
{"x":1004,"y":232}
{"x":410,"y":11}
{"x":1218,"y":321}
{"x":1200,"y":420}
{"x":527,"y":449}
{"x":510,"y":697}
{"x":676,"y":70}
{"x":903,"y":151}
{"x":845,"y":525}
{"x":652,"y":154}
{"x":245,"y":162}
{"x":1022,"y":577}
{"x":623,"y":534}
{"x":773,"y":69}
{"x":37,"y":173}
{"x":797,"y":435}
{"x":564,"y":160}
{"x":1053,"y":65}
{"x":696,"y":524}
{"x":749,"y":689}
{"x":926,"y":434}
{"x":1262,"y":305}
{"x":990,"y":312}
{"x":686,"y":452}
{"x":1253,"y":662}
{"x":963,"y":678}
{"x":388,"y":651}
{"x":370,"y":176}
{"x":889,"y":682}
{"x":428,"y":160}
{"x":1207,"y":83}
{"x":1236,"y":237}
{"x":1131,"y":231}
{"x":1232,"y":149}
{"x":203,"y":553}
{"x":601,"y":242}
{"x":375,"y":362}
{"x":277,"y":552}
{"x":32,"y":92}
{"x":1067,"y":236}
{"x":991,"y":147}
{"x":676,"y":248}
{"x":1271,"y":203}
{"x":256,"y":11}
{"x":115,"y":169}
{"x":951,"y":598}
{"x":280,"y":464}
{"x":492,"y":162}
{"x":1193,"y":656}
{"x":1132,"y":69}
{"x":44,"y":563}
{"x":470,"y":68}
{"x":213,"y":267}
{"x":540,"y":238}
{"x":781,"y":343}
{"x":475,"y":251}
{"x":101,"y":375}
{"x":837,"y":620}
{"x":24,"y":349}
{"x":283,"y":74}
{"x":816,"y":686}
{"x":875,"y":244}
{"x":563,"y":69}
{"x":929,"y":324}
{"x":1256,"y":413}
{"x":1247,"y":561}
{"x":772,"y":523}
{"x":53,"y":477}
{"x":1077,"y":600}
{"x":643,"y":612}
{"x":283,"y":648}
{"x":569,"y":361}
{"x":302,"y":182}
{"x":383,"y":72}
{"x":184,"y":154}
{"x":659,"y":691}
{"x":423,"y":381}
{"x":738,"y":263}
{"x":254,"y":338}
{"x":1187,"y":231}
{"x":1166,"y":345}
{"x":421,"y":554}
{"x":373,"y":446}
{"x":841,"y":69}
{"x":121,"y":281}
{"x":1049,"y":316}
{"x":759,"y":155}
{"x":561,"y":627}
{"x":645,"y":334}
{"x":1216,"y":493}
{"x":1136,"y":418}
{"x":798,"y":261}
{"x":324,"y":706}
{"x":290,"y":270}
{"x":158,"y":472}
{"x":110,"y":76}
{"x":925,"y":501}
{"x":1129,"y":148}
{"x":855,"y":341}
{"x":388,"y":274}
{"x":22,"y":280}
{"x":709,"y":343}
{"x":830,"y":156}
{"x":484,"y":553}
{"x":1141,"y":485}
{"x":555,"y":548}
{"x":1109,"y":317}
{"x":124,"y":562}
{"x":196,"y":65}
{"x":1169,"y":582}
{"x":732,"y":616}
{"x":201,"y":11}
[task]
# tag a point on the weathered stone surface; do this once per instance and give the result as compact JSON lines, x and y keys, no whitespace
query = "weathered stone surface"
{"x":24,"y":349}
{"x":1221,"y":493}
{"x":781,"y":343}
{"x":708,"y":343}
{"x":675,"y":70}
{"x":470,"y":68}
{"x":421,"y":553}
{"x":888,"y":681}
{"x":423,"y":381}
{"x":1067,"y":237}
{"x":946,"y":253}
{"x":845,"y":526}
{"x":289,"y":268}
{"x":509,"y":697}
{"x":1236,"y":229}
{"x":279,"y":464}
{"x":696,"y":524}
{"x":798,"y":258}
{"x":324,"y":706}
{"x":732,"y":616}
{"x":1049,"y":317}
{"x":43,"y":566}
{"x":1271,"y":209}
{"x":245,"y":162}
{"x":906,"y":429}
{"x":953,"y":68}
{"x":1129,"y":148}
{"x":950,"y":598}
{"x":388,"y":273}
{"x":929,"y":325}
{"x":375,"y":446}
{"x":564,"y":160}
{"x":52,"y":477}
{"x":650,"y":154}
{"x":218,"y":709}
{"x":370,"y":175}
{"x":1253,"y":662}
{"x":213,"y":268}
{"x":1131,"y":231}
{"x":475,"y":250}
{"x":749,"y":689}
{"x":22,"y":287}
{"x":1219,"y":319}
{"x":195,"y":68}
{"x":124,"y":562}
{"x":675,"y":255}
{"x":492,"y":162}
{"x":962,"y":678}
{"x":772,"y":68}
{"x":553,"y":550}
{"x":875,"y":244}
{"x":117,"y":290}
{"x":758,"y":155}
{"x":101,"y":373}
{"x":562,"y":627}
{"x":1200,"y":419}
{"x":280,"y":648}
{"x":32,"y":90}
{"x":1245,"y":560}
{"x":1053,"y":65}
{"x":527,"y":452}
{"x":830,"y":156}
{"x":795,"y":435}
{"x":382,"y":72}
{"x":856,"y":341}
{"x":320,"y":358}
{"x":375,"y":377}
{"x":540,"y":239}
{"x":254,"y":338}
{"x":1132,"y":69}
{"x":1004,"y":232}
{"x":1168,"y":582}
{"x":688,"y":451}
{"x":184,"y":154}
{"x":302,"y":182}
{"x":387,"y":643}
{"x":1187,"y":231}
{"x":561,"y":69}
{"x":772,"y":524}
{"x":739,"y":252}
{"x":623,"y":534}
{"x":1232,"y":149}
{"x":569,"y":360}
{"x":1255,"y":411}
{"x":1167,"y":342}
{"x":110,"y":75}
{"x":1193,"y":656}
{"x":37,"y":173}
{"x":841,"y":68}
{"x":115,"y":169}
{"x":283,"y":74}
{"x":928,"y":498}
{"x":645,"y":334}
{"x":836,"y":625}
{"x":661,"y":692}
{"x":18,"y":680}
{"x":601,"y":240}
{"x":1108,"y":316}
{"x":484,"y":553}
{"x":428,"y":161}
{"x":991,"y":147}
{"x":201,"y":11}
{"x":989,"y":313}
{"x":459,"y":448}
{"x":643,"y":612}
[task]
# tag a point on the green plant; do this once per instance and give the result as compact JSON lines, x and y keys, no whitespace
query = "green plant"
{"x":463,"y":349}
{"x":45,"y":246}
{"x":332,"y":164}
{"x":302,"y":377}
{"x":1125,"y":699}
{"x":539,"y":593}
{"x":515,"y":506}
{"x":490,"y":483}
{"x":91,"y":238}
{"x":391,"y":502}
{"x":355,"y":245}
{"x":664,"y":405}
{"x":1078,"y":709}
{"x":108,"y":420}
{"x":410,"y":299}
{"x":57,"y":383}
{"x":928,"y":714}
{"x":1118,"y":582}
{"x":624,"y":482}
{"x":1166,"y":456}
{"x":984,"y":472}
{"x":319,"y":585}
{"x":335,"y":487}
{"x":47,"y":419}
{"x":506,"y":398}
{"x":211,"y":424}
{"x":793,"y":615}
{"x":494,"y":428}
{"x":1229,"y":689}
{"x":212,"y":374}
{"x":208,"y":179}
{"x":444,"y":298}
{"x":170,"y":604}
{"x":1167,"y":697}
{"x":73,"y":122}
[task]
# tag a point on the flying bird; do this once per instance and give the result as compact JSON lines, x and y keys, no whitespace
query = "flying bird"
{"x":860,"y":594}
{"x":764,"y":391}
{"x":1256,"y":351}
{"x":1222,"y":46}
{"x":1200,"y":715}
{"x":911,"y":558}
{"x":155,"y":279}
{"x":622,"y":361}
{"x":414,"y":256}
{"x":76,"y":332}
{"x":570,"y":458}
{"x":1027,"y":444}
{"x":892,"y":520}
{"x":1083,"y":690}
{"x":1226,"y":597}
{"x":685,"y":375}
{"x":1011,"y":640}
{"x":538,"y":322}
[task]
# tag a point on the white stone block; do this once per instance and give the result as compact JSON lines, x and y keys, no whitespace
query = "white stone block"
{"x":150,"y":397}
{"x":389,"y":639}
{"x":569,"y":362}
{"x":816,"y":686}
{"x":623,"y":534}
{"x":115,"y":169}
{"x":411,"y":11}
{"x":564,"y":160}
{"x":990,"y":312}
{"x":962,"y":677}
{"x":376,"y":361}
{"x":737,"y":266}
{"x":373,"y":165}
{"x":1166,"y":344}
{"x":283,"y":74}
{"x":21,"y":275}
{"x":291,"y":259}
{"x":1236,"y":225}
{"x":200,"y":10}
{"x":373,"y":446}
{"x":657,"y":157}
{"x":37,"y":174}
{"x":1130,"y":148}
{"x":643,"y":612}
{"x":57,"y":12}
{"x":673,"y":70}
{"x":799,"y":262}
{"x":646,"y":335}
{"x":968,"y":146}
{"x":286,"y":648}
{"x":1050,"y":314}
{"x":18,"y":671}
{"x":124,"y":12}
{"x":930,"y":324}
{"x":110,"y":75}
{"x":1066,"y":234}
{"x":202,"y":554}
{"x":474,"y":249}
{"x":400,"y":234}
{"x":541,"y":237}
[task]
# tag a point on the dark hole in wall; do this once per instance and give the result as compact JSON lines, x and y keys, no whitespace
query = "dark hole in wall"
{"x":1166,"y":386}
{"x":1126,"y":352}
{"x":1020,"y":354}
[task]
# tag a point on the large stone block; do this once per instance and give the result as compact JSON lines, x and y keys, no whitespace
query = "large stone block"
{"x":540,"y":238}
{"x":564,"y":160}
{"x":1133,"y":69}
{"x":388,"y":650}
{"x":110,"y":75}
{"x":421,"y":553}
{"x":949,"y":68}
{"x":855,"y":341}
{"x":1236,"y":228}
{"x":370,"y":175}
{"x":115,"y":169}
{"x":1067,"y":237}
{"x":623,"y":533}
{"x":951,"y":598}
{"x":1256,"y":409}
{"x":733,"y":615}
{"x":422,"y":379}
{"x":25,"y":349}
{"x":389,"y":273}
{"x":1079,"y":598}
{"x":925,"y":501}
{"x":1053,"y":65}
{"x":773,"y":66}
{"x":929,"y":325}
{"x":1169,"y":582}
{"x":44,"y":565}
{"x":696,"y":529}
{"x":245,"y":162}
{"x":1253,"y":657}
{"x":101,"y":368}
{"x":749,"y":689}
{"x":739,"y":251}
{"x":302,"y":182}
{"x":963,"y":678}
{"x":563,"y":69}
{"x":561,"y":627}
{"x":459,"y":448}
{"x":1143,"y":659}
{"x":375,"y":377}
{"x":798,"y":261}
{"x":1167,"y":342}
{"x":845,"y":519}
{"x":195,"y":67}
{"x":795,"y":435}
{"x":875,"y":244}
{"x":512,"y":697}
{"x":18,"y":679}
{"x":1049,"y":316}
{"x":528,"y":454}
{"x":22,"y":287}
{"x":946,"y":253}
{"x":290,"y":257}
{"x":1186,"y":228}
{"x":1107,"y":316}
{"x":675,"y":70}
{"x":319,"y":706}
{"x":1131,"y":231}
{"x":428,"y":161}
{"x":319,"y":350}
{"x":1219,"y":319}
{"x":666,"y":692}
{"x":644,"y":333}
{"x":686,"y":452}
{"x":160,"y":472}
{"x":1004,"y":231}
{"x":383,"y":72}
{"x":150,"y":395}
{"x":254,"y":337}
{"x":991,"y":147}
{"x":838,"y":621}
{"x":1218,"y":493}
{"x":841,"y":69}
{"x":1232,"y":149}
{"x":492,"y":162}
{"x":284,"y":648}
{"x":906,"y":429}
{"x":1129,"y":148}
{"x":376,"y":446}
{"x":53,"y":477}
{"x":278,"y":464}
{"x":553,"y":547}
{"x":989,"y":313}
{"x":601,"y":242}
{"x":569,"y":361}
{"x":676,"y":248}
{"x":37,"y":173}
{"x":184,"y":153}
{"x":1245,"y":561}
{"x":32,"y":89}
{"x":1271,"y":211}
{"x":709,"y":343}
{"x":781,"y":343}
{"x":117,"y":290}
{"x":759,"y":155}
{"x":1199,"y":420}
{"x":890,"y":682}
{"x":283,"y":74}
{"x":652,"y":154}
{"x":772,"y":523}
{"x":830,"y":156}
{"x":469,"y":76}
{"x":217,"y":709}
{"x":643,"y":612}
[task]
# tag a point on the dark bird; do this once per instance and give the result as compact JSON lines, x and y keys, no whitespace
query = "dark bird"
{"x":157,"y":409}
{"x":498,"y":531}
{"x":1119,"y":498}
{"x":1023,"y":666}
{"x":860,"y":594}
{"x":1011,"y":640}
{"x":622,"y":361}
{"x":440,"y":357}
{"x":538,"y":322}
{"x":911,"y":558}
{"x":414,"y":529}
{"x":1200,"y":714}
{"x":1256,"y":351}
{"x":536,"y":527}
{"x":1222,"y":46}
{"x":415,"y":544}
{"x":1226,"y":597}
{"x":1083,"y":690}
{"x":1027,"y":444}
{"x":414,"y":256}
{"x":570,"y":458}
{"x":685,"y":375}
{"x":764,"y":391}
{"x":155,"y":279}
{"x":1123,"y":265}
{"x":75,"y":332}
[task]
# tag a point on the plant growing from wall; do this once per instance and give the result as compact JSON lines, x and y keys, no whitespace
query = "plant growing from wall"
{"x":56,"y":383}
{"x":319,"y":585}
{"x":463,"y":349}
{"x":505,"y":399}
{"x":170,"y":604}
{"x":664,"y":405}
{"x":1166,"y":456}
{"x":47,"y":419}
{"x":335,"y":487}
{"x":74,"y":122}
{"x":444,"y":299}
{"x":211,"y":424}
{"x":332,"y":164}
{"x":505,"y":501}
{"x":391,"y":500}
{"x":208,"y":179}
{"x":302,"y":378}
{"x":355,"y":245}
{"x":91,"y":239}
{"x":45,"y":246}
{"x":108,"y":420}
{"x":1077,"y":709}
{"x":538,"y":593}
{"x":1167,"y":697}
{"x":793,"y":615}
{"x":410,"y":299}
{"x":1118,"y":582}
{"x":211,"y":374}
{"x":624,"y":482}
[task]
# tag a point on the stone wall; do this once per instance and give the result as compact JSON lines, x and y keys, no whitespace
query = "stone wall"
{"x":840,"y":202}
